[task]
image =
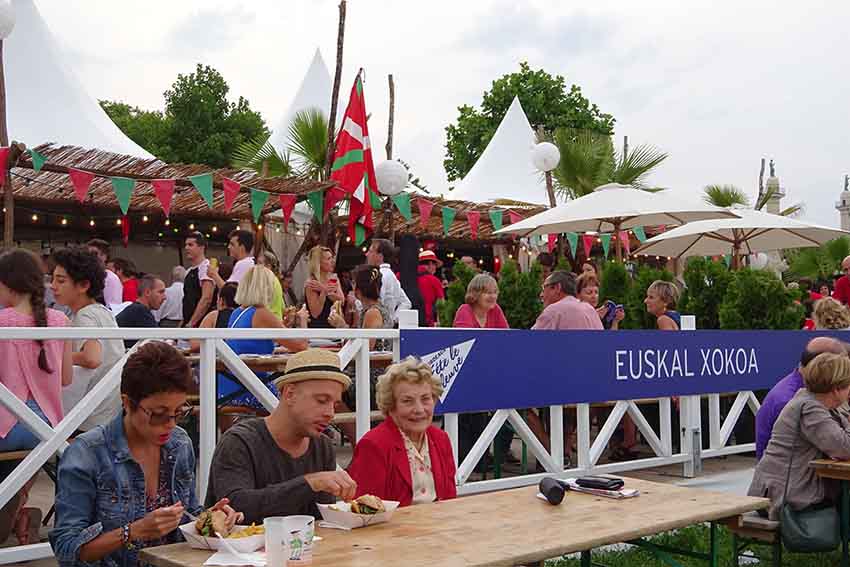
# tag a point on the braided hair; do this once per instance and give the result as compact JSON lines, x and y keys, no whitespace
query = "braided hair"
{"x":20,"y":271}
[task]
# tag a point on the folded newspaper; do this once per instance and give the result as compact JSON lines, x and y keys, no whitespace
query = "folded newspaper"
{"x":618,"y":494}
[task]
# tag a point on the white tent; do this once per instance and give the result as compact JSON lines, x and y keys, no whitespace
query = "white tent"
{"x":45,"y":102}
{"x":504,"y":170}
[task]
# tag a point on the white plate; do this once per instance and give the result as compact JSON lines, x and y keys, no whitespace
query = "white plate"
{"x":340,"y":513}
{"x":240,"y":544}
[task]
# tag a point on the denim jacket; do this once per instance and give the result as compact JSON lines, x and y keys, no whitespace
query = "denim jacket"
{"x":100,"y":487}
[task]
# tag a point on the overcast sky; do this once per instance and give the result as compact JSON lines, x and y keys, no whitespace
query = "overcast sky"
{"x":717,"y":85}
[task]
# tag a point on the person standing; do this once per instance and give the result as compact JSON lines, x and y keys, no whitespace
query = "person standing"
{"x":113,"y":289}
{"x":241,"y":249}
{"x":430,"y":285}
{"x":129,"y":276}
{"x":322,"y":289}
{"x":380,"y":254}
{"x":842,"y":284}
{"x":270,"y":261}
{"x":170,"y":313}
{"x":198,"y":287}
{"x":140,"y":312}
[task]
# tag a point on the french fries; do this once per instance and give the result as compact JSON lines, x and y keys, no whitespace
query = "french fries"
{"x":251,"y":530}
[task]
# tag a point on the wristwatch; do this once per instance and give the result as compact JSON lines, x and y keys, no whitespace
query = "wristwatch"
{"x":125,"y":538}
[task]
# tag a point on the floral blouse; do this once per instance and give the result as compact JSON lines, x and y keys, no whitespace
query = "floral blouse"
{"x":424,"y":490}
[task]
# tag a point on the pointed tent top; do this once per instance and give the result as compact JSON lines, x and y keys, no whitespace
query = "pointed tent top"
{"x":504,"y":170}
{"x":39,"y":80}
{"x":314,"y":92}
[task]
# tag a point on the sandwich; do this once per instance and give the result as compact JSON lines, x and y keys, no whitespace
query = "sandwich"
{"x":367,"y":505}
{"x":337,"y":308}
{"x":211,"y":521}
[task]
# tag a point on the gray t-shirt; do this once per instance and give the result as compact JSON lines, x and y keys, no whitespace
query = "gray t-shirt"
{"x":260,"y":479}
{"x":95,"y":315}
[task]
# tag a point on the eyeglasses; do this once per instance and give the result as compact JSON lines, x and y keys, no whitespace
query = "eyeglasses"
{"x":162,"y":418}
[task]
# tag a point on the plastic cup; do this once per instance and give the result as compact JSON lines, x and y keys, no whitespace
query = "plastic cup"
{"x":300,"y":530}
{"x":277,"y":549}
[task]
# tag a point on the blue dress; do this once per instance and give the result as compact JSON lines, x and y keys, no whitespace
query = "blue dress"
{"x":242,"y":318}
{"x":676,"y":316}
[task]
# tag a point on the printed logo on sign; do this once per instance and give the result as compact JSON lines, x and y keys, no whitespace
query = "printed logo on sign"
{"x":446,"y":363}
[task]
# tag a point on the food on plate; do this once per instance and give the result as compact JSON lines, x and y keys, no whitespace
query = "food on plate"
{"x":337,"y":308}
{"x":251,"y":530}
{"x":211,"y":521}
{"x":367,"y":505}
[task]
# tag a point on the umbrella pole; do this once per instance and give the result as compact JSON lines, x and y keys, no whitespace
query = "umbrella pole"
{"x":618,"y":245}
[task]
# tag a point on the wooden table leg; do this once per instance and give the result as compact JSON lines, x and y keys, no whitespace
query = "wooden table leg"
{"x":845,"y":520}
{"x":713,"y":557}
{"x":585,"y":559}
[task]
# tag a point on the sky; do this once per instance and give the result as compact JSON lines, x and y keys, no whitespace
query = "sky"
{"x":717,"y":85}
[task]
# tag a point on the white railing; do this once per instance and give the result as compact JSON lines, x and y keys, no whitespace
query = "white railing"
{"x":214,"y":349}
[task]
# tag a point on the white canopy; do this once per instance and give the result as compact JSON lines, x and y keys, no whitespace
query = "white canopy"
{"x":504,"y":170}
{"x":754,"y":231}
{"x":45,"y":102}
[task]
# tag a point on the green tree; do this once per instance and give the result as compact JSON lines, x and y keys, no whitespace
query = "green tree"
{"x":547,"y":103}
{"x":455,"y":294}
{"x":636,"y":314}
{"x":148,"y":128}
{"x":706,"y":283}
{"x":725,"y":196}
{"x":615,"y":283}
{"x":821,"y":263}
{"x":757,"y":299}
{"x":519,"y":294}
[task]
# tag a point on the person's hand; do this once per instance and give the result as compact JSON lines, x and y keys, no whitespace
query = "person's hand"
{"x":619,"y":314}
{"x":336,"y":482}
{"x":335,"y":293}
{"x":157,"y":524}
{"x":601,"y":311}
{"x":302,"y":316}
{"x":336,"y":320}
{"x":212,"y":270}
{"x":233,"y":517}
{"x":315,"y":285}
{"x":351,"y":299}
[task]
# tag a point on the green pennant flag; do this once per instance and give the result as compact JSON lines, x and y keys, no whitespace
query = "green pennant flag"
{"x":496,"y":218}
{"x":38,"y":160}
{"x":123,"y":189}
{"x":402,"y":203}
{"x":375,"y":201}
{"x":572,"y":238}
{"x":448,"y":217}
{"x":728,"y":260}
{"x":640,"y":234}
{"x":606,"y":243}
{"x":204,"y":184}
{"x":258,"y":201}
{"x":359,"y":234}
{"x":316,"y":202}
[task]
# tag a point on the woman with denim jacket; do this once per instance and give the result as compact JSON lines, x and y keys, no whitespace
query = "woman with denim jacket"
{"x":126,"y":485}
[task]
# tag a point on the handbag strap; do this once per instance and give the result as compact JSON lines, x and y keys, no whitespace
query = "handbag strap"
{"x":791,"y":457}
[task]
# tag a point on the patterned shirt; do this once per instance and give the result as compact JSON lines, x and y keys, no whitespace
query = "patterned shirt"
{"x":421,"y":473}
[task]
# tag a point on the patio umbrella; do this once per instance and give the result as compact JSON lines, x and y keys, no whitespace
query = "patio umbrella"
{"x":615,"y":207}
{"x":752,"y":232}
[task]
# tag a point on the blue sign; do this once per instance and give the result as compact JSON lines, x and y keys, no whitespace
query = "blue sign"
{"x":494,"y":369}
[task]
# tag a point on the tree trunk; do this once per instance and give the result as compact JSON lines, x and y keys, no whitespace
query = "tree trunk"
{"x":389,"y":146}
{"x":550,"y":189}
{"x":625,"y":148}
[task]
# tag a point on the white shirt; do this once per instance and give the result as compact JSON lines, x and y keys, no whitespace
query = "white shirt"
{"x":241,"y":268}
{"x":392,"y":294}
{"x":113,"y":289}
{"x":172,"y":307}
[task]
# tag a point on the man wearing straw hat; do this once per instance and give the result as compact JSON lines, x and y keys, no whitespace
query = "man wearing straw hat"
{"x":282,"y":464}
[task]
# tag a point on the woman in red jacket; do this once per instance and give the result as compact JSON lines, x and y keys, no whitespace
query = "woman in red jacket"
{"x":406,"y":458}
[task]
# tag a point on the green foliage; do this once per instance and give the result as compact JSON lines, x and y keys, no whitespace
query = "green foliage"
{"x":757,"y":299}
{"x":636,"y":314}
{"x":820,"y":263}
{"x":149,"y":129}
{"x":455,"y":294}
{"x":563,"y":264}
{"x":308,"y":142}
{"x":519,"y":294}
{"x":706,"y":285}
{"x":724,"y":196}
{"x":258,"y":154}
{"x":545,"y":100}
{"x":614,"y":283}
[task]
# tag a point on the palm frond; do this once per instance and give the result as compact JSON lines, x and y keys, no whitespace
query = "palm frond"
{"x":587,"y":161}
{"x":793,"y":211}
{"x":637,"y":165}
{"x":259,"y":154}
{"x":308,"y":142}
{"x":764,"y":197}
{"x":724,"y":196}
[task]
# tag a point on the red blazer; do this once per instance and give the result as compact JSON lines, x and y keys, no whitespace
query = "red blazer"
{"x":380,"y":464}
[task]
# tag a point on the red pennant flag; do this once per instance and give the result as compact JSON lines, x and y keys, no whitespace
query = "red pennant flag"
{"x":587,"y":241}
{"x":552,"y":239}
{"x":624,"y":238}
{"x":662,"y":228}
{"x":425,"y":207}
{"x":287,"y":205}
{"x":473,"y":218}
{"x":4,"y":161}
{"x":81,"y":180}
{"x":333,"y":196}
{"x":125,"y":230}
{"x":514,"y":217}
{"x":231,"y":189}
{"x":164,"y":191}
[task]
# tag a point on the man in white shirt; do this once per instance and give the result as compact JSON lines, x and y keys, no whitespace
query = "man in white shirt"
{"x":380,"y":254}
{"x":240,"y":248}
{"x":171,"y":312}
{"x":113,"y":289}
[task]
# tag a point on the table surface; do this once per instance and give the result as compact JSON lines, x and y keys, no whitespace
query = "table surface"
{"x":508,"y":527}
{"x":828,"y":468}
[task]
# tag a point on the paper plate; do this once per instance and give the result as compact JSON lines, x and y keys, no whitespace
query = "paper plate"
{"x":240,"y":544}
{"x":340,"y":513}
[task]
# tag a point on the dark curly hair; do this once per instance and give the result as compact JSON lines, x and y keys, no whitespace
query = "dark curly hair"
{"x":367,"y":279}
{"x":20,"y":271}
{"x":83,"y":266}
{"x":154,"y":368}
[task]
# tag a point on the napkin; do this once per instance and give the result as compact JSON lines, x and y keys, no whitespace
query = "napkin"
{"x":257,"y":558}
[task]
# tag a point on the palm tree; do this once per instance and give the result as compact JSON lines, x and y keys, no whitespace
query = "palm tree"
{"x":725,"y":196}
{"x":259,"y":155}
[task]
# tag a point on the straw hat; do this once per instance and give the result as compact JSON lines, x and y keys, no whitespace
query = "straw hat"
{"x":429,"y":256}
{"x":313,"y":364}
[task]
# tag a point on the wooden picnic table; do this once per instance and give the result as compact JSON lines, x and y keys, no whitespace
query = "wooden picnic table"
{"x":840,"y":471}
{"x":508,"y":527}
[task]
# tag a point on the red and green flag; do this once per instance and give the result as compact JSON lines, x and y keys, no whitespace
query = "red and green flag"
{"x":353,"y":169}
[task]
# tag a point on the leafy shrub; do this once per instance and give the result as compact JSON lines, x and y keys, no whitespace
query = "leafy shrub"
{"x":519,"y":294}
{"x":706,"y":284}
{"x":455,"y":294}
{"x":757,"y":299}
{"x":614,"y":283}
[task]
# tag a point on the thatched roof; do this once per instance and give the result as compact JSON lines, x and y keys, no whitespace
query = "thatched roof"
{"x":51,"y":187}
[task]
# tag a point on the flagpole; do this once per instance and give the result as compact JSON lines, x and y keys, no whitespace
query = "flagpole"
{"x":8,"y":198}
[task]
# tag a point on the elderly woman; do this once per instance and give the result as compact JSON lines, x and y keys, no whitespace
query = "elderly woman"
{"x":808,"y":428}
{"x":831,"y":314}
{"x":661,"y":298}
{"x":481,"y":310}
{"x":406,"y":458}
{"x":126,"y":485}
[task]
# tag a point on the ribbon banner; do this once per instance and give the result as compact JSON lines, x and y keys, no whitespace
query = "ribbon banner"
{"x":425,"y":207}
{"x":81,"y":181}
{"x":473,"y":218}
{"x":448,"y":217}
{"x":572,"y":238}
{"x":164,"y":191}
{"x":231,"y":189}
{"x":258,"y":201}
{"x":204,"y":184}
{"x":287,"y":205}
{"x":496,"y":218}
{"x":606,"y":243}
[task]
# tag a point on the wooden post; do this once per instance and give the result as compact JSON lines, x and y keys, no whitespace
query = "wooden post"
{"x":8,"y":198}
{"x":618,"y":245}
{"x":389,"y":145}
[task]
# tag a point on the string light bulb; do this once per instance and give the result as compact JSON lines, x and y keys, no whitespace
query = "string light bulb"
{"x":145,"y":218}
{"x":176,"y":230}
{"x":214,"y":228}
{"x":34,"y":218}
{"x":192,"y":226}
{"x":91,"y":222}
{"x":348,"y":239}
{"x":118,"y":222}
{"x":64,"y":221}
{"x":167,"y":222}
{"x":259,"y":227}
{"x":160,"y":235}
{"x":277,"y":228}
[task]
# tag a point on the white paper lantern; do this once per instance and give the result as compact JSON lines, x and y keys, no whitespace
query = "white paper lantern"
{"x":7,"y":18}
{"x":391,"y":177}
{"x":545,"y":156}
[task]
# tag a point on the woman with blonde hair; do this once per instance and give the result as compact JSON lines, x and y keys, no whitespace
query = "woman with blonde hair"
{"x":831,"y":314}
{"x":661,"y":298}
{"x":481,"y":310}
{"x":322,"y":288}
{"x":406,"y":458}
{"x":808,"y":428}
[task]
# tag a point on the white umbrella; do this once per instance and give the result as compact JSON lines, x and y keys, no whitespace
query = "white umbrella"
{"x":753,"y":232}
{"x":616,"y":207}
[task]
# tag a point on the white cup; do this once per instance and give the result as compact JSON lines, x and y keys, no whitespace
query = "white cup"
{"x":300,"y":531}
{"x":277,"y":548}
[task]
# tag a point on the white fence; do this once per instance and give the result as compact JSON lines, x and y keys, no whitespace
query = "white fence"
{"x":356,"y":351}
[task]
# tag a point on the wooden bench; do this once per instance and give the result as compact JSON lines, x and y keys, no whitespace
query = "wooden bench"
{"x":351,"y":417}
{"x":753,"y":529}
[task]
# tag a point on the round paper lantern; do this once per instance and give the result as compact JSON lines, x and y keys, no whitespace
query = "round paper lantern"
{"x":7,"y":18}
{"x":545,"y":156}
{"x":391,"y":177}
